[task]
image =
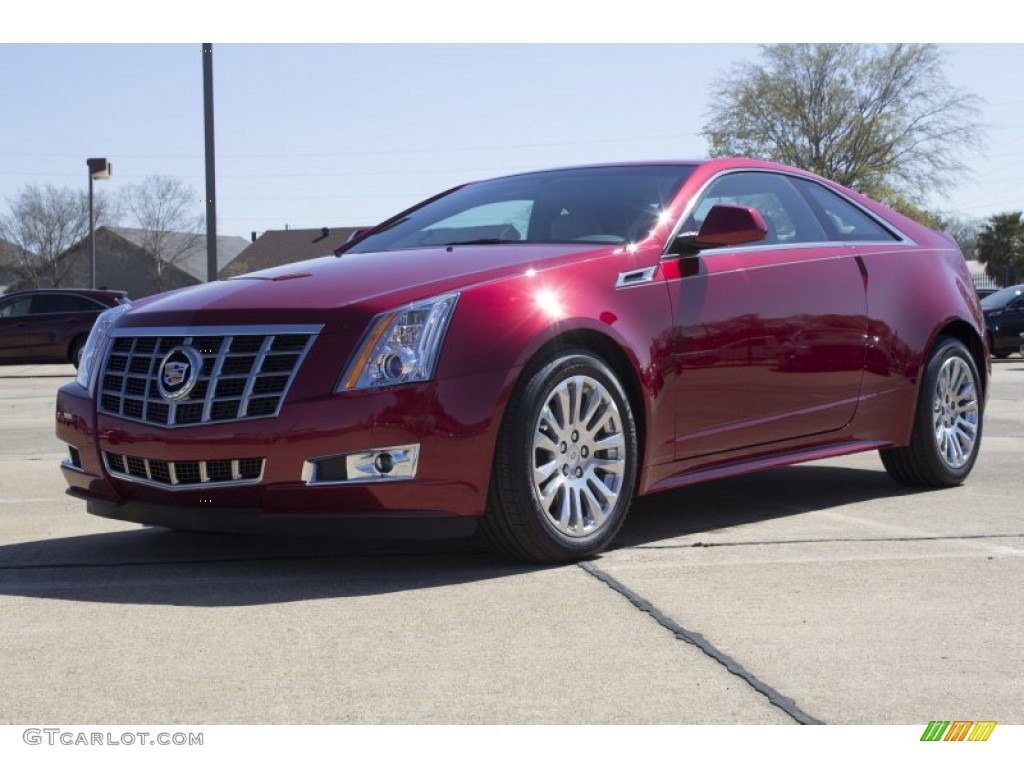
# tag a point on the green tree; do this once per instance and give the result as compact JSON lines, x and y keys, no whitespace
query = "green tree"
{"x":883,"y":120}
{"x":1001,"y":247}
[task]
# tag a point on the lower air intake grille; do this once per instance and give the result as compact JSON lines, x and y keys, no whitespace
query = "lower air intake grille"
{"x":184,"y":474}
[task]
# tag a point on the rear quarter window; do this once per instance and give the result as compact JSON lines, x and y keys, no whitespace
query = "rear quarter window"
{"x":841,"y":219}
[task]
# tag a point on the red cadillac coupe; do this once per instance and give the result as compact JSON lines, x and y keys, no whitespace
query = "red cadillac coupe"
{"x":526,"y":355}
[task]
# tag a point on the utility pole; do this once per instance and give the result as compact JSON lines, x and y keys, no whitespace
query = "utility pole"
{"x":99,"y":168}
{"x":211,"y":206}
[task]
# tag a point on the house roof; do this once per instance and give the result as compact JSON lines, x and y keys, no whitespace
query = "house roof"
{"x":193,"y":260}
{"x":9,"y":252}
{"x":284,"y":246}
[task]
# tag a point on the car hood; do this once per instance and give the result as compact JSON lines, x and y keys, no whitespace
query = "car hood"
{"x":303,"y":292}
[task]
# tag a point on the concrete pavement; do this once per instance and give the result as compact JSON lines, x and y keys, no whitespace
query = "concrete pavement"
{"x":818,"y":593}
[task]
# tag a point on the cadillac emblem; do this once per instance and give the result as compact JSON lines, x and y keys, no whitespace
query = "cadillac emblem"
{"x":178,"y":373}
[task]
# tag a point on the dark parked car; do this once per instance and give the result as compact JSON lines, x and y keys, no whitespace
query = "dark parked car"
{"x":1004,"y":320}
{"x":983,"y":292}
{"x":51,"y":325}
{"x":526,"y":355}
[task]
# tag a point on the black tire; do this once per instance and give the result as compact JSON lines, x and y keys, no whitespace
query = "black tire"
{"x":76,"y":351}
{"x":948,"y":420}
{"x":573,"y":511}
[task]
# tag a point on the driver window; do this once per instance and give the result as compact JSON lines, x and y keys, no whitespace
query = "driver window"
{"x":789,"y":218}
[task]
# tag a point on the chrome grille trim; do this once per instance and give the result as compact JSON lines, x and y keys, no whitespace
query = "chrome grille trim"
{"x":233,"y":358}
{"x":151,"y":472}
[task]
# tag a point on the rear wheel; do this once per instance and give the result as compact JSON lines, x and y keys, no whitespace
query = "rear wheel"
{"x":947,"y":428}
{"x":76,"y":351}
{"x":565,"y":464}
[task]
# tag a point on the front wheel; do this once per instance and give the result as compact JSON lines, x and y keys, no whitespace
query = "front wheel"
{"x":565,"y":463}
{"x":947,"y":428}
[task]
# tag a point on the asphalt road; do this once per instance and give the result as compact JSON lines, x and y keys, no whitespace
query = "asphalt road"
{"x":818,"y":593}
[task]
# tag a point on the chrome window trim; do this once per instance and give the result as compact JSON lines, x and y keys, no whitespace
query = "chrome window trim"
{"x":903,"y":238}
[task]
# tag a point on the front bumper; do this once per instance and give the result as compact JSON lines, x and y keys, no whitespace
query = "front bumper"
{"x":454,"y":422}
{"x":205,"y":518}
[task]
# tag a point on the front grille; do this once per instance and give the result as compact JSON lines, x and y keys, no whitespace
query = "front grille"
{"x":245,"y":373}
{"x":178,"y":474}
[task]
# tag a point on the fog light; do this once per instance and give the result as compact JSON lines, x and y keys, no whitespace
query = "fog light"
{"x":384,"y":463}
{"x":74,"y":459}
{"x":376,"y":465}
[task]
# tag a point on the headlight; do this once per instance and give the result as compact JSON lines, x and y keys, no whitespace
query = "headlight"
{"x":97,"y":342}
{"x":400,"y":346}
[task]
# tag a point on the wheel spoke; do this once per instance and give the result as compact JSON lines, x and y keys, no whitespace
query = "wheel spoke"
{"x":544,"y":472}
{"x":593,"y":401}
{"x":544,"y":443}
{"x":606,"y":416}
{"x":562,"y":398}
{"x":612,"y":441}
{"x":597,"y":511}
{"x":608,"y":495}
{"x":547,"y":495}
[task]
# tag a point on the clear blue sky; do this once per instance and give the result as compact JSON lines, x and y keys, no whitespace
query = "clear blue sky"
{"x":332,"y":135}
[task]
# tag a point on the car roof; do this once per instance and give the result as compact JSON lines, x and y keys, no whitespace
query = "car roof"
{"x":713,"y":164}
{"x":92,"y":293}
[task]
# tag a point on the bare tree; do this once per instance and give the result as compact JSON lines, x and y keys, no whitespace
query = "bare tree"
{"x":44,"y":222}
{"x":163,"y":209}
{"x":965,"y":231}
{"x":883,"y":120}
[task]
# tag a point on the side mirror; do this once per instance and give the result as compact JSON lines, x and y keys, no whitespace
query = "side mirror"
{"x":724,"y":225}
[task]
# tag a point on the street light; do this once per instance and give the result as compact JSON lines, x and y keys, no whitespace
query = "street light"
{"x":99,"y":168}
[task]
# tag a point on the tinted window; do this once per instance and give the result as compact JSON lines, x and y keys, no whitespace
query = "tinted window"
{"x":15,"y":307}
{"x":597,"y":205}
{"x":1002,"y":299}
{"x":56,"y":302}
{"x":843,"y":220}
{"x":787,"y":214}
{"x":505,"y":221}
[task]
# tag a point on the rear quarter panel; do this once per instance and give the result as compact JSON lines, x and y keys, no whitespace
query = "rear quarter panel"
{"x":913,"y":293}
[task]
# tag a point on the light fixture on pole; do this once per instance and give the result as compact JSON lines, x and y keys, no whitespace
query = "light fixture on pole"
{"x":99,"y":168}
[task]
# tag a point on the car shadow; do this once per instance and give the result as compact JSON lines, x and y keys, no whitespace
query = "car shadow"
{"x":153,"y":566}
{"x":722,"y":504}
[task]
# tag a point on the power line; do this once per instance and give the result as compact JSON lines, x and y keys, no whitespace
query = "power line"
{"x":360,"y":152}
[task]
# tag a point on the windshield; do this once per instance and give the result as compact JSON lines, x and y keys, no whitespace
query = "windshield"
{"x":1000,"y":299}
{"x":618,"y":204}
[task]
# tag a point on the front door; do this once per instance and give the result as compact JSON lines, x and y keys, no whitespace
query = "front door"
{"x":768,"y":338}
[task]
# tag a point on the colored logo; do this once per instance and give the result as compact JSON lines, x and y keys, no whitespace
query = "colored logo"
{"x":178,"y":373}
{"x":958,"y":730}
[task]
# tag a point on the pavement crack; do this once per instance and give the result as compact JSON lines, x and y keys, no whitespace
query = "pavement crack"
{"x":882,"y":539}
{"x":785,"y":703}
